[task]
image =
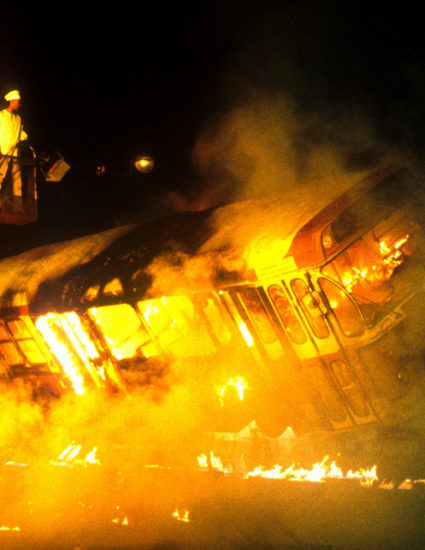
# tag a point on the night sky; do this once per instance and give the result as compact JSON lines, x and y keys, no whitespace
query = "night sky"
{"x":104,"y":84}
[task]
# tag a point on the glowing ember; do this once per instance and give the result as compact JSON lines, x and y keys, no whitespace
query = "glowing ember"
{"x":409,"y":484}
{"x":386,"y":485}
{"x":5,"y":528}
{"x":389,"y":259}
{"x":118,"y":521}
{"x":69,"y":457}
{"x":181,"y":517}
{"x":210,"y":463}
{"x":406,"y":485}
{"x":91,"y":457}
{"x":238,"y":382}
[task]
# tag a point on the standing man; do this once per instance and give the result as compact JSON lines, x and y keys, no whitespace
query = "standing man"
{"x":11,"y":134}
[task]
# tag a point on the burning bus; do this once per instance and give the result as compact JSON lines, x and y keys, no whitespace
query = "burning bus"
{"x":317,"y":328}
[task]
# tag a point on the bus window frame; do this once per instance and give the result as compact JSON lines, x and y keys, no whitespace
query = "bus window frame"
{"x":209,"y":328}
{"x":292,"y":309}
{"x":224,"y":314}
{"x":308,"y":317}
{"x":43,"y":367}
{"x":351,"y":299}
{"x":28,"y":336}
{"x":267,"y":349}
{"x":10,"y":340}
{"x":104,"y":347}
{"x":382,"y":307}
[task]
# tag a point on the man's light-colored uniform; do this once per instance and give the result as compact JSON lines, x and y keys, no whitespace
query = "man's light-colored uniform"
{"x":11,"y":133}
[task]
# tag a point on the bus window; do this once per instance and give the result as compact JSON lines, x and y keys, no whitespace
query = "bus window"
{"x":26,"y":343}
{"x":217,"y":323}
{"x":177,"y":325}
{"x":18,"y":329}
{"x":287,"y":314}
{"x":310,"y":309}
{"x":8,"y":350}
{"x":344,"y":309}
{"x":258,"y":314}
{"x":367,"y":268}
{"x":362,"y":269}
{"x":10,"y":354}
{"x":32,"y":352}
{"x":261,"y":321}
{"x":123,"y":331}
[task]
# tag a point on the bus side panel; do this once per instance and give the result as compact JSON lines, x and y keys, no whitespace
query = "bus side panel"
{"x":392,"y":377}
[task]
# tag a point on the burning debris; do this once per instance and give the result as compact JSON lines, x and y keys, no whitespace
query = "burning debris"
{"x":184,"y":517}
{"x":140,"y":516}
{"x":70,"y":457}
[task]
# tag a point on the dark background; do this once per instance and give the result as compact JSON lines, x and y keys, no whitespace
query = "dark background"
{"x":104,"y":84}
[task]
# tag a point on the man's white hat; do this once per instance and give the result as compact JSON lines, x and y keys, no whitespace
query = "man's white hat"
{"x":14,"y":94}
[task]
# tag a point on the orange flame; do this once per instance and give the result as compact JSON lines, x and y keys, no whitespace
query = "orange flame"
{"x":237,"y":382}
{"x":181,"y":517}
{"x":383,"y":269}
{"x":69,"y":456}
{"x":210,"y":463}
{"x":318,"y":473}
{"x":246,"y":334}
{"x":45,"y":325}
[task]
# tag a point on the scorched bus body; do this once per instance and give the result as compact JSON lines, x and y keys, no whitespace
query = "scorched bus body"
{"x":325,"y":335}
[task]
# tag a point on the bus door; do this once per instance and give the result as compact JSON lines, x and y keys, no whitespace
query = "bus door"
{"x":323,"y":392}
{"x":22,"y":355}
{"x":281,"y":396}
{"x":325,"y":342}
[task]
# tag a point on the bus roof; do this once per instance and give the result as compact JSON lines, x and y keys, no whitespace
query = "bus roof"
{"x":307,"y":247}
{"x":219,"y":246}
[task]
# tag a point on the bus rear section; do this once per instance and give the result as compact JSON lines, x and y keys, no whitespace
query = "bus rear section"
{"x":354,"y":318}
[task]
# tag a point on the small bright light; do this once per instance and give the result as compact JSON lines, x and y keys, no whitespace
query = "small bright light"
{"x":144,"y":164}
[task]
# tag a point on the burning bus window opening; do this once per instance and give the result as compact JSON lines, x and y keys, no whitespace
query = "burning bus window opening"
{"x":287,"y":314}
{"x":238,"y":384}
{"x":252,"y":307}
{"x":123,"y":331}
{"x":179,"y":327}
{"x":20,"y":348}
{"x":247,"y":336}
{"x":368,"y":269}
{"x":64,"y":343}
{"x":8,"y":349}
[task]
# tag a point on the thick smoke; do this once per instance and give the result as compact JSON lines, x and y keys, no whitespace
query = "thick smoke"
{"x":267,"y":145}
{"x":268,"y":166}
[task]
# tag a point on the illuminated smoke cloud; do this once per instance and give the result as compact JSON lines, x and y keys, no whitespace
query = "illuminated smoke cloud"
{"x":267,"y":144}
